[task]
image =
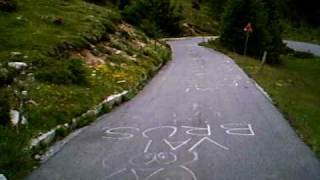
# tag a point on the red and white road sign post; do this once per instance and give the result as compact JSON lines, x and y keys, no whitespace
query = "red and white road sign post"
{"x":248,"y":29}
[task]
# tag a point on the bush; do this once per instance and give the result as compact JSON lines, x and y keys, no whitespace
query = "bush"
{"x":8,"y":5}
{"x":123,"y":4}
{"x":7,"y":75}
{"x":4,"y":77}
{"x":4,"y":107}
{"x":196,"y":4}
{"x":159,"y":14}
{"x":217,"y":7}
{"x":266,"y":34}
{"x":103,"y":2}
{"x":68,"y":71}
{"x":303,"y":55}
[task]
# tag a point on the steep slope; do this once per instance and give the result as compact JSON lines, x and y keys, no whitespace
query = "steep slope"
{"x":77,"y":54}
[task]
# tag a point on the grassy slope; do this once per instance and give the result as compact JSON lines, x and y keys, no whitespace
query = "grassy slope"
{"x":32,"y":32}
{"x":201,"y":18}
{"x":294,"y":87}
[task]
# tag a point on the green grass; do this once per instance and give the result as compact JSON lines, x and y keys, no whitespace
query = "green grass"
{"x":31,"y":29}
{"x":45,"y":46}
{"x":294,"y":87}
{"x":202,"y":18}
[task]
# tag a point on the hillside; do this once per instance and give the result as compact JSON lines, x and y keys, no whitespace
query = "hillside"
{"x":77,"y":54}
{"x":59,"y":59}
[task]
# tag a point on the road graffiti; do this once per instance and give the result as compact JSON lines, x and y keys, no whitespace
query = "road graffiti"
{"x":126,"y":133}
{"x":151,"y":164}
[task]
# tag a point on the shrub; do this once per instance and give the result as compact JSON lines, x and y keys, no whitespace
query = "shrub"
{"x":4,"y":107}
{"x":123,"y":4}
{"x":78,"y":71}
{"x":67,"y":71}
{"x":7,"y":75}
{"x":303,"y":55}
{"x":266,"y":34}
{"x":217,"y":7}
{"x":4,"y":76}
{"x":196,"y":4}
{"x":103,"y":2}
{"x":154,"y":13}
{"x":150,"y":28}
{"x":8,"y":5}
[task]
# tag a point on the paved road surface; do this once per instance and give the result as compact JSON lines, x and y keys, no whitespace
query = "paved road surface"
{"x":200,"y":118}
{"x":303,"y":46}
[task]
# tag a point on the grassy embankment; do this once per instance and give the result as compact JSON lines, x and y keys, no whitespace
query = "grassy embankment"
{"x":197,"y":22}
{"x":54,"y":37}
{"x":294,"y":87}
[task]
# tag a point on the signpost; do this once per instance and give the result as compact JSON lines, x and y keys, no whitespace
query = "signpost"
{"x":248,"y":29}
{"x":263,"y":61}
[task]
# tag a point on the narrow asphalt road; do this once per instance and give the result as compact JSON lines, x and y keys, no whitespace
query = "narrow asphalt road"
{"x":200,"y":118}
{"x":304,"y":47}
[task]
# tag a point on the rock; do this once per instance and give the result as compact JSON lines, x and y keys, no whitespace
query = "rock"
{"x":116,"y":98}
{"x":37,"y":157}
{"x":89,"y":58}
{"x":44,"y":139}
{"x":2,"y":177}
{"x":15,"y":53}
{"x":118,"y":52}
{"x":24,"y":93}
{"x":17,"y":65}
{"x":58,"y":21}
{"x":14,"y":118}
{"x":32,"y":102}
{"x":123,"y":81}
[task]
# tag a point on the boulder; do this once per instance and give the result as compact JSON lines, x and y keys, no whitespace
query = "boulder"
{"x":2,"y":177}
{"x":17,"y":65}
{"x":14,"y":118}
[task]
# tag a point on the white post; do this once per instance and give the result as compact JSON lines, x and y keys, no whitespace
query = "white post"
{"x":263,"y":61}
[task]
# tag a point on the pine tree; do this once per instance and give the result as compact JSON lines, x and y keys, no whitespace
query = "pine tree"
{"x":266,"y":34}
{"x":154,"y":13}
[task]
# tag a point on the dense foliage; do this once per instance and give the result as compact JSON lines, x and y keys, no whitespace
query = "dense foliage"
{"x":4,"y":107}
{"x":71,"y":71}
{"x":155,"y":17}
{"x":8,"y":5}
{"x":266,"y":35}
{"x":300,"y":12}
{"x":6,"y":78}
{"x":217,"y":7}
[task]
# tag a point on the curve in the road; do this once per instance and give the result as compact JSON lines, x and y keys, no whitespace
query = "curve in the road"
{"x":304,"y":47}
{"x":200,"y":118}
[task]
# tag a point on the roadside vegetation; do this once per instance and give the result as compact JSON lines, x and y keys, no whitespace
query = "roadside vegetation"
{"x":198,"y":17}
{"x":59,"y":58}
{"x":73,"y":55}
{"x":290,"y":78}
{"x":304,"y":32}
{"x":293,"y":86}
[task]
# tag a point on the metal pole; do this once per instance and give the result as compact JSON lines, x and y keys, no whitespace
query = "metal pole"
{"x":264,"y":59}
{"x":246,"y":44}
